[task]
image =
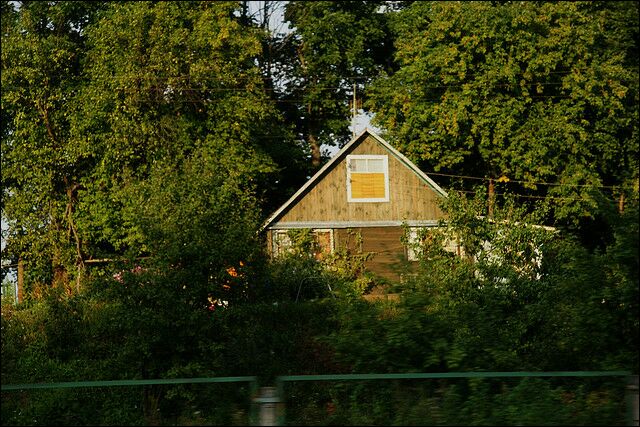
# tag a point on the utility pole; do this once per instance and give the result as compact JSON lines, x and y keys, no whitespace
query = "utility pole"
{"x":353,"y":121}
{"x":19,"y":296}
{"x":491,"y":198}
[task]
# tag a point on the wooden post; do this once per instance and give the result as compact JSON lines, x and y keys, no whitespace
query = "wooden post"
{"x":20,"y":280}
{"x":270,"y":407}
{"x":632,"y":400}
{"x":491,"y":197}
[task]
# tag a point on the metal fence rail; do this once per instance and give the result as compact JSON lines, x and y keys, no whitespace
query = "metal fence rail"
{"x":251,"y":380}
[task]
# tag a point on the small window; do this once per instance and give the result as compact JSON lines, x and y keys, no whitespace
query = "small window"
{"x":414,"y":244}
{"x":367,"y":178}
{"x":321,"y":246}
{"x":324,"y":242}
{"x":281,"y":242}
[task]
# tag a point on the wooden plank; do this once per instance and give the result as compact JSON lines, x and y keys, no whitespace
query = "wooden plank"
{"x":389,"y":256}
{"x":269,"y":240}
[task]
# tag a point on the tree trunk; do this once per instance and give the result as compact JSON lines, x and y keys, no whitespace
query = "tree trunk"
{"x":72,"y":199}
{"x":60,"y":276}
{"x":315,"y":151}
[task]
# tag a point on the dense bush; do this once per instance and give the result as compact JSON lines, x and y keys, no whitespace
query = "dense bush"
{"x":488,"y":401}
{"x":576,"y":310}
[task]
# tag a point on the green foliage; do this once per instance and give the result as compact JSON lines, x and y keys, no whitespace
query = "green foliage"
{"x":453,"y":316}
{"x":307,"y":271}
{"x":597,"y":293}
{"x":522,"y":297}
{"x":294,"y":278}
{"x":151,"y":133}
{"x":137,"y":120}
{"x":350,"y":265}
{"x":535,"y":92}
{"x":333,"y":46}
{"x":527,"y":401}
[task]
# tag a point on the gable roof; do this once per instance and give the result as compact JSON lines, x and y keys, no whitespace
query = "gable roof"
{"x":338,"y":157}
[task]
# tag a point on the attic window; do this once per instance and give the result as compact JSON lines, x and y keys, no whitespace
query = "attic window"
{"x":367,"y":178}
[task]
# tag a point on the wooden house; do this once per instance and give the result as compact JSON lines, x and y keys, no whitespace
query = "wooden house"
{"x":361,"y":199}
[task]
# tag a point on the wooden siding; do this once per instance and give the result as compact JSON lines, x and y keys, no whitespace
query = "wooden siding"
{"x":269,"y":241}
{"x":388,"y":253}
{"x":389,"y":259}
{"x":410,"y":198}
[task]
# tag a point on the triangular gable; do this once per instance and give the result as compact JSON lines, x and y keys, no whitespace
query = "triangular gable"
{"x":336,"y":159}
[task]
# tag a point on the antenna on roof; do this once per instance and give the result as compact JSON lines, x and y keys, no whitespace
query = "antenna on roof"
{"x":353,"y":123}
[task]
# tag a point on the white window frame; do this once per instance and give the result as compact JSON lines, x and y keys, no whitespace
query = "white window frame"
{"x":280,"y":245}
{"x":331,"y":242}
{"x":385,"y":163}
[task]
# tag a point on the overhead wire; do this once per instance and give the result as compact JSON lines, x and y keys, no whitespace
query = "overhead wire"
{"x":345,"y":88}
{"x":343,"y":77}
{"x":531,"y":196}
{"x":506,"y":194}
{"x":497,"y":180}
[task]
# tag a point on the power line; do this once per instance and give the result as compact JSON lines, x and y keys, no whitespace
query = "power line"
{"x":527,"y":182}
{"x":531,"y":196}
{"x":258,"y":75}
{"x":346,"y":86}
{"x":299,"y":101}
{"x":576,"y":197}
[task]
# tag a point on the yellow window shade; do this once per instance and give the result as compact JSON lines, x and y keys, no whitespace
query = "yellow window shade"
{"x":367,"y":186}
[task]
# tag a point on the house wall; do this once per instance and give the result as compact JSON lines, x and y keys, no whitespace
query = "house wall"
{"x":388,"y":253}
{"x":389,"y":259}
{"x":269,"y":241}
{"x":326,"y":201}
{"x":325,"y":205}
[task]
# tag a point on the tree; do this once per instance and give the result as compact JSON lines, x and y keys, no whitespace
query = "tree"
{"x":43,"y":162}
{"x":182,"y":78}
{"x":151,"y":89}
{"x":333,"y":46}
{"x":535,"y":92}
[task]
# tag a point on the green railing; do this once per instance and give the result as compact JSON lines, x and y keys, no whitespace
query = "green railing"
{"x":267,"y":404}
{"x":251,"y":380}
{"x":115,"y":383}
